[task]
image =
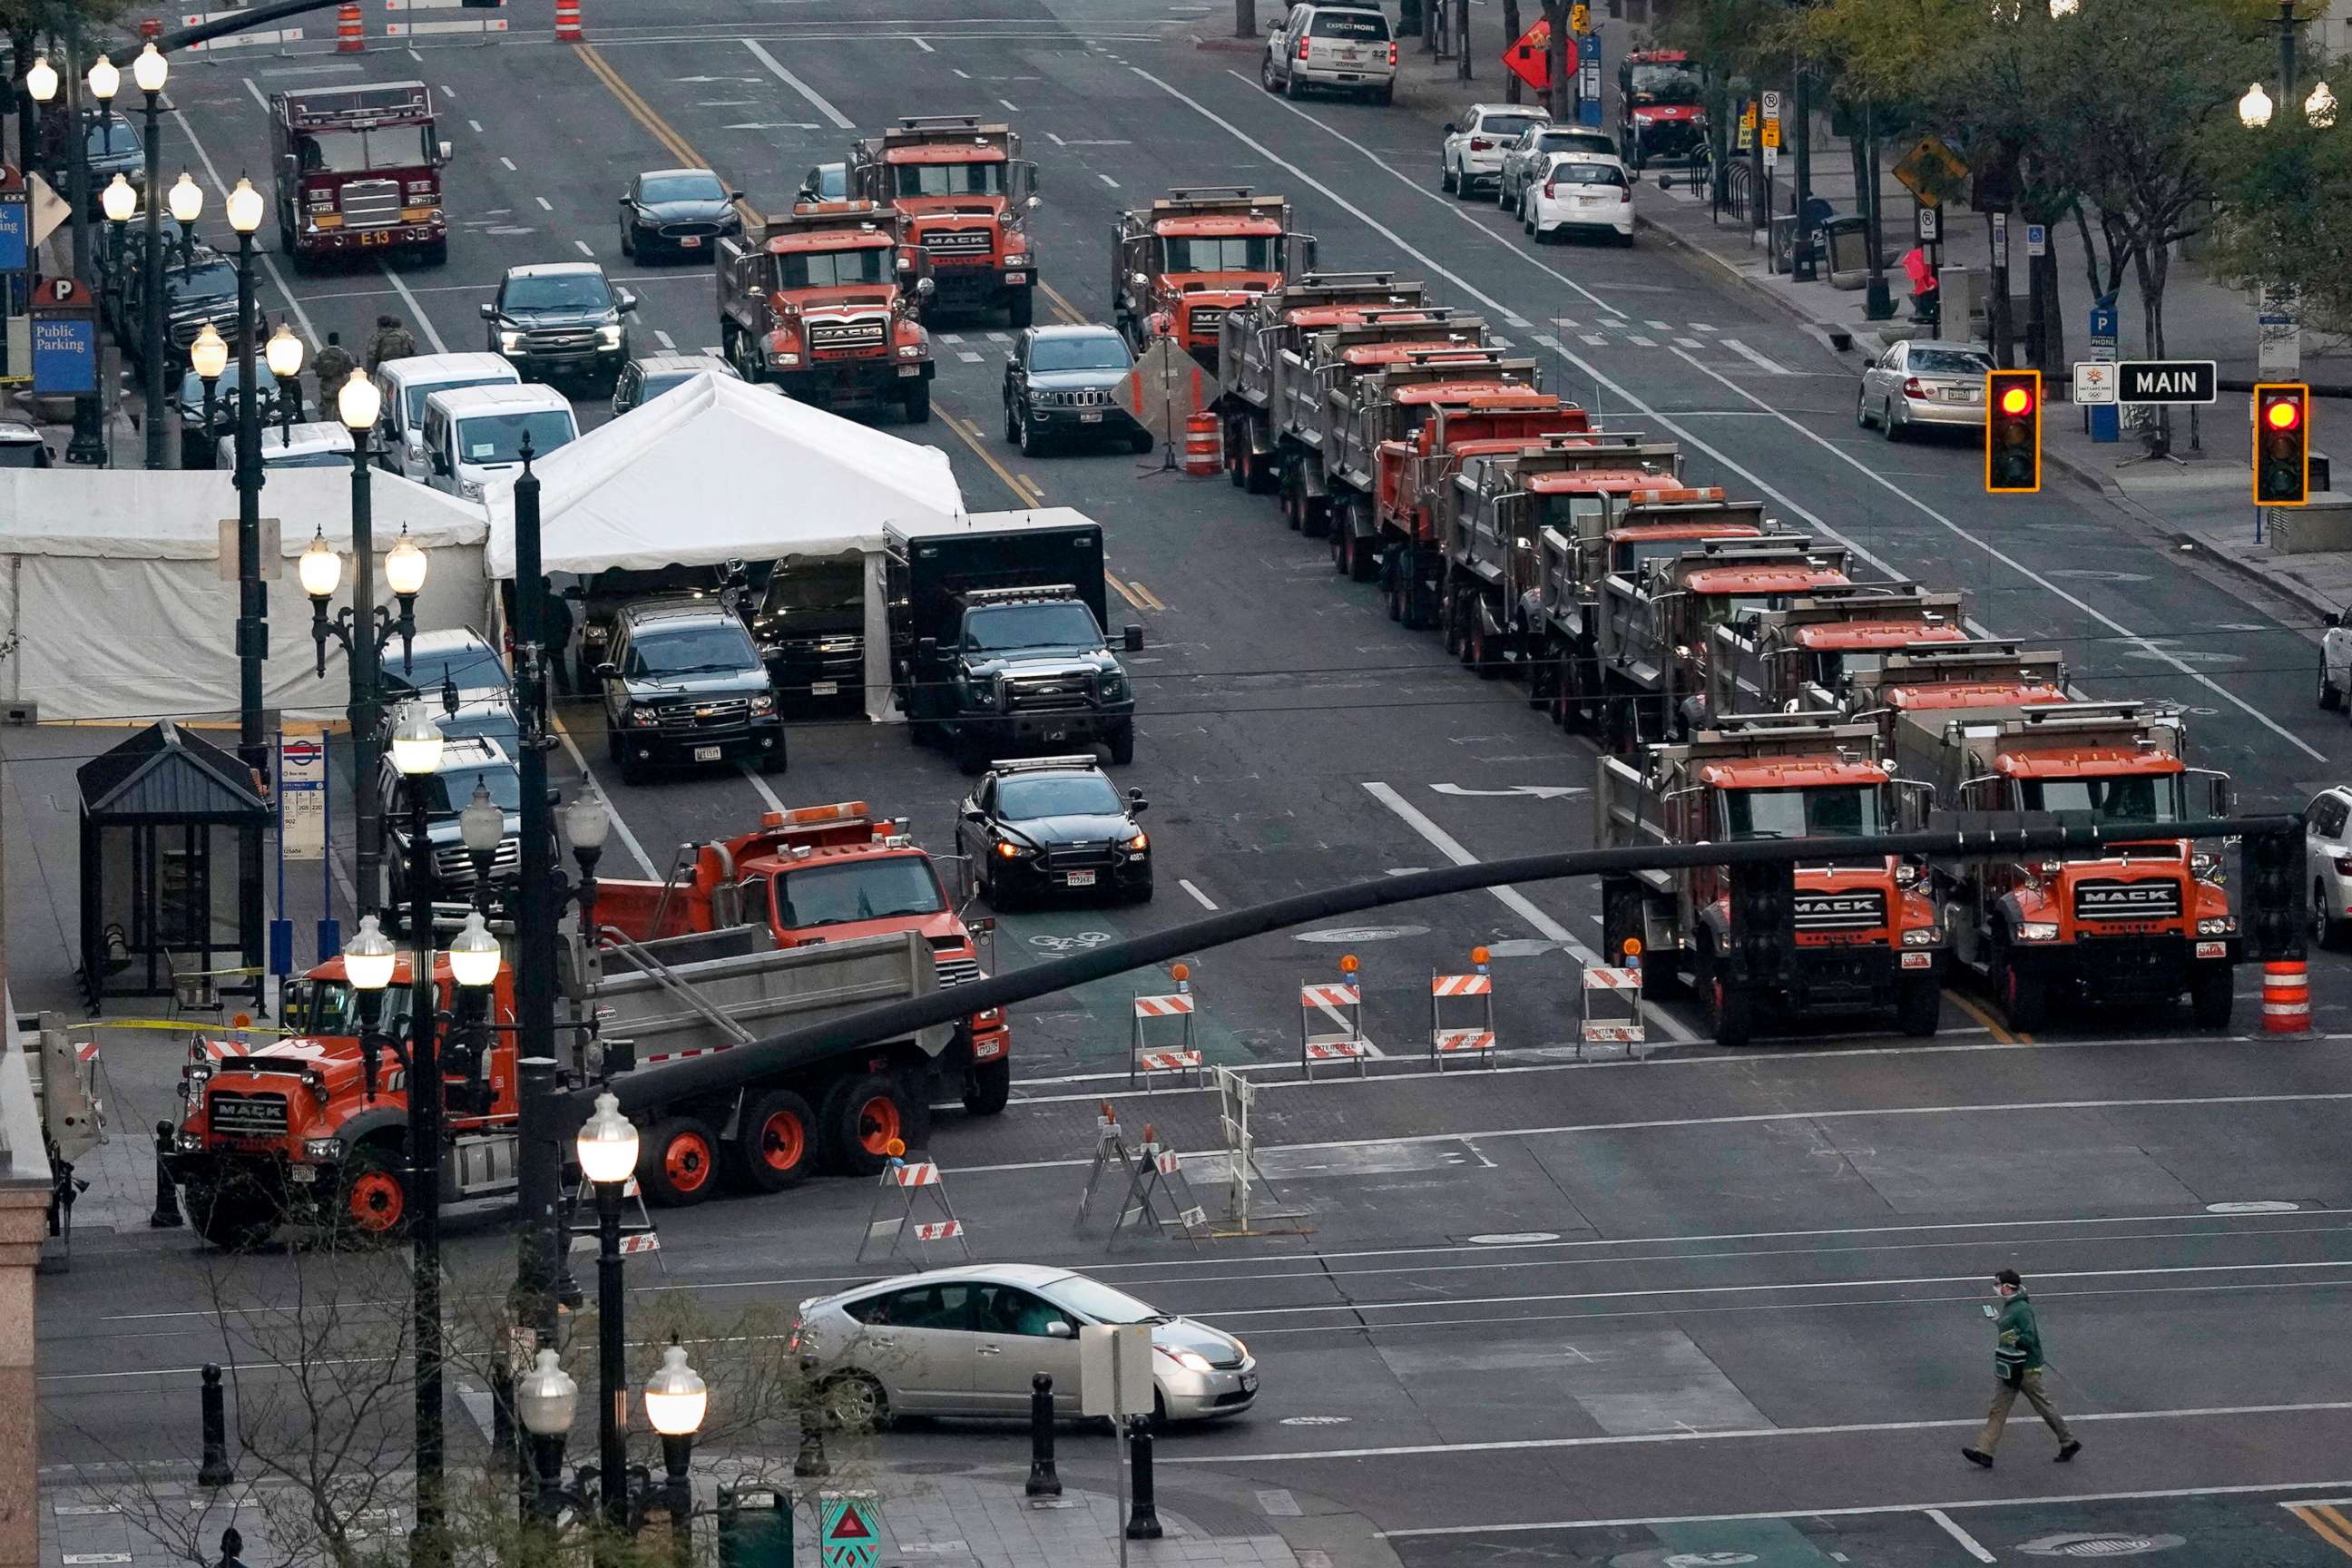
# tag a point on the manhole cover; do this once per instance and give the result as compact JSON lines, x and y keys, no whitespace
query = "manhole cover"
{"x":1514,"y":1238}
{"x":2100,"y":1543}
{"x":1317,"y":1420}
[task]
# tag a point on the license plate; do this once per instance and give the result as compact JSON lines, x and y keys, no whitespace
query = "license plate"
{"x":1016,"y":277}
{"x":1249,"y":1383}
{"x":690,"y":241}
{"x":2213,"y":950}
{"x":375,"y":236}
{"x":1918,"y":960}
{"x":705,"y":754}
{"x":302,"y":1175}
{"x":1082,"y":879}
{"x":1959,"y":394}
{"x":910,"y":370}
{"x":1091,"y":416}
{"x":825,"y":688}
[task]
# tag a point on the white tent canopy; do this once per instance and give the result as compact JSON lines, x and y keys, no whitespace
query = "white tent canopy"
{"x":113,"y":587}
{"x":717,"y":471}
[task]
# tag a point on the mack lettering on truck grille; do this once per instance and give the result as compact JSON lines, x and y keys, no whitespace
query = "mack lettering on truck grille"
{"x":1205,"y":318}
{"x":1863,"y":909}
{"x":370,"y":204}
{"x":843,"y":337}
{"x":2127,"y":901}
{"x":248,"y":1115}
{"x":960,"y":242}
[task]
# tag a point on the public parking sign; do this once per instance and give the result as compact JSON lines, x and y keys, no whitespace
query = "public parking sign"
{"x":2162,"y":381}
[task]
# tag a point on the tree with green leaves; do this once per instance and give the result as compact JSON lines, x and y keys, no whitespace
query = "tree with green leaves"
{"x":2285,"y":212}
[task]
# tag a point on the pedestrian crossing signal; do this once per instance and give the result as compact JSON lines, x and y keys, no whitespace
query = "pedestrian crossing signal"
{"x":2281,"y":444}
{"x":2013,"y":432}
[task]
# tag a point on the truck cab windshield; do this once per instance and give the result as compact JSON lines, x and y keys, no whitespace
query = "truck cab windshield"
{"x":949,"y":179}
{"x":837,"y":584}
{"x":1224,"y":253}
{"x":833,"y":269}
{"x":356,"y":152}
{"x":851,"y":890}
{"x":2112,"y":798}
{"x":1655,"y":83}
{"x":1003,"y":629}
{"x":331,"y":1007}
{"x":1832,"y":811}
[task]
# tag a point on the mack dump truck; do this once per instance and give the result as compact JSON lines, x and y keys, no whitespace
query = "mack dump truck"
{"x":966,"y":194}
{"x":1196,"y":254}
{"x":821,"y":303}
{"x":1867,"y":938}
{"x":313,"y":1130}
{"x":1251,"y":338}
{"x":2135,"y":923}
{"x":1803,"y":654}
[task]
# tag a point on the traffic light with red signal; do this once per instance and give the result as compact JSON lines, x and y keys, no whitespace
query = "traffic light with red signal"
{"x":2013,"y":431}
{"x":2281,"y":444}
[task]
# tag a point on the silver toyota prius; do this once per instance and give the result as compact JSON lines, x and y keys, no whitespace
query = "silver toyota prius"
{"x":966,"y":1342}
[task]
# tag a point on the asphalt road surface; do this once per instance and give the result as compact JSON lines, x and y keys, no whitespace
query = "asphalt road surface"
{"x":1701,"y":1307}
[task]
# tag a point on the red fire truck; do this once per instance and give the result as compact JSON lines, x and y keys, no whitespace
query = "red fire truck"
{"x":358,"y":170}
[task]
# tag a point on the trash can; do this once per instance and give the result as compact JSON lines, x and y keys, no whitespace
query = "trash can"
{"x":755,"y":1528}
{"x":1849,"y":252}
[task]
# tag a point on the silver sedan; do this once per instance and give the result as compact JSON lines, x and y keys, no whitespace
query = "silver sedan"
{"x":966,"y":1342}
{"x":1915,"y":383}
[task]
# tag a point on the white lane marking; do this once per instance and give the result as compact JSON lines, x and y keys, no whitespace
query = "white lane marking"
{"x":950,"y":337}
{"x":967,"y":356}
{"x":583,"y":248}
{"x":628,"y":839}
{"x":816,"y":99}
{"x":966,"y":75}
{"x":1595,"y":339}
{"x":1658,"y":326}
{"x":415,"y":308}
{"x":448,"y":91}
{"x":1872,"y":1509}
{"x":2019,"y":567}
{"x":415,"y":56}
{"x":923,"y":46}
{"x":1107,"y":180}
{"x":1199,"y":897}
{"x":1570,"y":321}
{"x":1518,"y":321}
{"x":1447,"y":202}
{"x":1645,"y":1439}
{"x":476,"y":126}
{"x":1701,"y":327}
{"x":1446,"y":844}
{"x":1639,"y":341}
{"x":268,"y":264}
{"x":1745,"y":1119}
{"x":1752,"y":357}
{"x":1688,"y":343}
{"x":1010,"y":105}
{"x":1968,"y":1543}
{"x":762,"y":786}
{"x":510,"y":163}
{"x":1498,"y":340}
{"x":1546,"y":340}
{"x":665,"y":338}
{"x":544,"y":205}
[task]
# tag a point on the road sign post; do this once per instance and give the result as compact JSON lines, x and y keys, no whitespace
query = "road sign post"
{"x":1115,"y":1380}
{"x":2102,"y":420}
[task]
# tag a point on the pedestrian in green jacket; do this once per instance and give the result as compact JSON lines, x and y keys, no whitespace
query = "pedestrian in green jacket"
{"x":2017,"y":1369}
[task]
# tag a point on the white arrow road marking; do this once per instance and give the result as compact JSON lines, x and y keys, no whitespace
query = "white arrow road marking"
{"x":1541,"y":791}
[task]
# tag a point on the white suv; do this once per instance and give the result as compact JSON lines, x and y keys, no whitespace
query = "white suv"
{"x":1345,"y":46}
{"x":2327,"y":850}
{"x":1475,"y":144}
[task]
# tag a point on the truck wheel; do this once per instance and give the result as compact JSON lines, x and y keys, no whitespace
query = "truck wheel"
{"x":1122,"y":744}
{"x":1021,"y":309}
{"x":370,"y":1199}
{"x":2211,"y":994}
{"x":776,"y":1148}
{"x":1730,"y":1007}
{"x":918,"y":403}
{"x":987,"y":1086}
{"x":235,"y":1217}
{"x":678,"y":1164}
{"x":1918,"y":1005}
{"x":861,"y":1115}
{"x":2024,"y":997}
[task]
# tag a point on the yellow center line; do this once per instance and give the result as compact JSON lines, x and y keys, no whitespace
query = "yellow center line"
{"x":1068,"y":311}
{"x":969,"y":434}
{"x":1150,"y":597}
{"x":1974,"y":1010}
{"x":2327,"y":1524}
{"x":1122,"y":590}
{"x":639,"y":110}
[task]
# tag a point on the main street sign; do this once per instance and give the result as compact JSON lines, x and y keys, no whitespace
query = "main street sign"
{"x":2173,"y":381}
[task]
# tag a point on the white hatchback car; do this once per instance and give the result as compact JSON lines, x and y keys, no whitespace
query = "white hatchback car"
{"x":1475,"y":141}
{"x":2328,"y":848}
{"x":1579,"y":191}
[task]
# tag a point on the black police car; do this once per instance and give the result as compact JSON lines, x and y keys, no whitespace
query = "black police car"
{"x":683,"y":684}
{"x":1051,"y":825}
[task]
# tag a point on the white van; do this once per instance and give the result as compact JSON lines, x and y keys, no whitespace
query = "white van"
{"x":407,"y":383}
{"x":474,"y":435}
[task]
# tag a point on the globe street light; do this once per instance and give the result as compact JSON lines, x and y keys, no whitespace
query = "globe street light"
{"x":369,"y":958}
{"x":547,"y":1401}
{"x":607,"y":1147}
{"x":2255,"y":109}
{"x":284,"y":355}
{"x":482,"y":827}
{"x":245,"y":212}
{"x":120,"y":202}
{"x":676,"y":1399}
{"x":41,"y":81}
{"x":2319,"y":109}
{"x":208,"y":357}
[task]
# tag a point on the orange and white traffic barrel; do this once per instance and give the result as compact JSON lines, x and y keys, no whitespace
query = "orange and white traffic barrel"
{"x":2286,"y":997}
{"x":567,"y":22}
{"x":1201,"y":458}
{"x":351,"y":32}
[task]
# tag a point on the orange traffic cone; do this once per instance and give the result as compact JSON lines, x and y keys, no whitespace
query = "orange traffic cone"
{"x":351,"y":33}
{"x":567,"y":22}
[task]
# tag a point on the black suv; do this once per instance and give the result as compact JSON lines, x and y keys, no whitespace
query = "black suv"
{"x":596,"y":604}
{"x":561,"y":318}
{"x":1051,"y":825}
{"x":1064,"y":384}
{"x":810,"y":623}
{"x":464,"y":764}
{"x":198,"y":287}
{"x":683,"y":684}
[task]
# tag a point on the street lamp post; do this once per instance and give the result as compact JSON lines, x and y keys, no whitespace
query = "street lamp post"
{"x":676,"y":1398}
{"x":245,"y":213}
{"x":120,"y":202}
{"x":364,"y":629}
{"x":607,"y":1147}
{"x":208,"y":357}
{"x":284,"y":356}
{"x":102,"y":81}
{"x":416,"y":753}
{"x":149,"y":72}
